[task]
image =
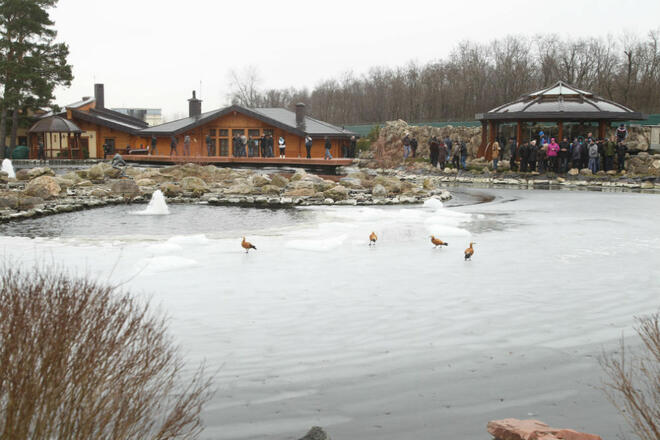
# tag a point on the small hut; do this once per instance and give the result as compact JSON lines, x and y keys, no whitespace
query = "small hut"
{"x":60,"y":136}
{"x":565,"y":111}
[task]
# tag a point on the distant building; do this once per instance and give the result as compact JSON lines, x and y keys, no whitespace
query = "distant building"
{"x":152,"y":116}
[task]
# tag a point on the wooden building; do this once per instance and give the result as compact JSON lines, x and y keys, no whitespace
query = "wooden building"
{"x":223,"y":124}
{"x":565,"y":111}
{"x":99,"y":126}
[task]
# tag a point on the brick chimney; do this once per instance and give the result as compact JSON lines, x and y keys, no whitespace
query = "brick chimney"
{"x":300,"y":115}
{"x":194,"y":105}
{"x":99,"y":96}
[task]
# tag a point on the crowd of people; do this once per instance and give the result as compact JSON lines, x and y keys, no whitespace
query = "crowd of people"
{"x":249,"y":146}
{"x":442,"y":151}
{"x":544,"y":153}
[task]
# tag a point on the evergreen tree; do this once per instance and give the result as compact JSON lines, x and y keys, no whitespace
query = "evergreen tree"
{"x":32,"y":64}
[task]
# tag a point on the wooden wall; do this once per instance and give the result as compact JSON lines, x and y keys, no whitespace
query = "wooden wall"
{"x":295,"y":145}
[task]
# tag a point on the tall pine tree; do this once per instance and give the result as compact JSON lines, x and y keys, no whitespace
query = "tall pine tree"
{"x":32,"y":64}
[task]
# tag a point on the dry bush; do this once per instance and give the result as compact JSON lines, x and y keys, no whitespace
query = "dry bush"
{"x":81,"y":360}
{"x":633,"y":384}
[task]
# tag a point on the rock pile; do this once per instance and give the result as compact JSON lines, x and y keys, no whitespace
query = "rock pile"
{"x":191,"y":183}
{"x":514,"y":429}
{"x":644,"y":163}
{"x":388,"y":149}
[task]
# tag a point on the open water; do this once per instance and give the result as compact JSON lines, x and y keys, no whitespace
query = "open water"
{"x":395,"y":341}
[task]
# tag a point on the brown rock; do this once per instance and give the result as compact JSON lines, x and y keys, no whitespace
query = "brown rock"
{"x":44,"y":187}
{"x":22,"y":175}
{"x":515,"y":429}
{"x":125,"y":187}
{"x":171,"y":190}
{"x":279,"y":180}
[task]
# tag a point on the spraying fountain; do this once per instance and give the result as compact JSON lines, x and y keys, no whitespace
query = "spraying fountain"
{"x":8,"y":168}
{"x":157,"y":205}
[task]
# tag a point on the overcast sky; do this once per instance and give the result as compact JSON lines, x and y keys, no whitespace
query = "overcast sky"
{"x":153,"y":53}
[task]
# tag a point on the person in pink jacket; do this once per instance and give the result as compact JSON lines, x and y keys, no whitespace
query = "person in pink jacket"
{"x":553,"y":151}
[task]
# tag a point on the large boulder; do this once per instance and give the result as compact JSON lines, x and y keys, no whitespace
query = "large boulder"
{"x":96,"y":173}
{"x":338,"y":192}
{"x":125,"y":187}
{"x":279,"y":180}
{"x":240,"y":188}
{"x":19,"y":202}
{"x":351,"y":182}
{"x":298,"y":175}
{"x":64,"y":183}
{"x":22,"y":174}
{"x":515,"y":429}
{"x":258,"y":180}
{"x":391,"y":184}
{"x":40,"y":171}
{"x":300,"y":184}
{"x":194,"y":184}
{"x":146,"y":182}
{"x":270,"y":190}
{"x":113,"y":173}
{"x":316,"y":433}
{"x":379,"y":191}
{"x":4,"y":177}
{"x":573,"y":172}
{"x":171,"y":189}
{"x":45,"y":187}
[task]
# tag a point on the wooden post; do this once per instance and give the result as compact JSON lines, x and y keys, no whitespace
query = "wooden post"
{"x":601,"y":129}
{"x":519,"y":132}
{"x":561,"y":131}
{"x":484,"y":134}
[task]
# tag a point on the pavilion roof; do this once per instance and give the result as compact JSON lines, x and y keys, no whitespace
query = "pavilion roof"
{"x":561,"y":102}
{"x":54,"y":124}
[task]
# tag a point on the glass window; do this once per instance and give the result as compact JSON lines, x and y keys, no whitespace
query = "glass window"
{"x":224,"y":147}
{"x":254,"y":133}
{"x":212,"y":132}
{"x":268,"y":131}
{"x":223,"y":132}
{"x":238,"y":131}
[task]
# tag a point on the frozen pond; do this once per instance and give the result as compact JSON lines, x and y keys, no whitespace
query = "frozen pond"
{"x":394,"y":341}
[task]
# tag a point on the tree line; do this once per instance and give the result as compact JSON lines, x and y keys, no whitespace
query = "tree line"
{"x":32,"y":63}
{"x":475,"y":78}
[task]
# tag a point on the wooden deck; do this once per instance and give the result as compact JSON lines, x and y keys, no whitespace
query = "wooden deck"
{"x":298,"y":162}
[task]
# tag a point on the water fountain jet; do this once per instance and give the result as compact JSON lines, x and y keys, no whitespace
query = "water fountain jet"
{"x":156,"y":206}
{"x":8,"y":168}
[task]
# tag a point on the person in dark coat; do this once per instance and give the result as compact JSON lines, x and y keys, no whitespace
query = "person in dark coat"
{"x":621,"y":150}
{"x":621,"y":133}
{"x":154,"y":144}
{"x":523,"y":153}
{"x":42,"y":150}
{"x":173,"y":143}
{"x":533,"y":155}
{"x":464,"y":154}
{"x":328,"y":146}
{"x":564,"y":149}
{"x":514,"y":151}
{"x":442,"y":155}
{"x":353,"y":147}
{"x":434,"y":151}
{"x":413,"y":146}
{"x":308,"y":146}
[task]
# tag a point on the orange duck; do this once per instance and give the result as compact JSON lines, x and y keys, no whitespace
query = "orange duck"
{"x":372,"y":239}
{"x":437,"y":242}
{"x":469,"y":251}
{"x":247,"y":246}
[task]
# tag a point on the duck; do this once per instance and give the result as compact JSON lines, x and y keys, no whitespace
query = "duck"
{"x":469,"y":252}
{"x":247,"y":246}
{"x":372,"y":239}
{"x":437,"y":242}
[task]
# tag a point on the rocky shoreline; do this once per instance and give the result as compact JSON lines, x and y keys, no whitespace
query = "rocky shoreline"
{"x":38,"y":192}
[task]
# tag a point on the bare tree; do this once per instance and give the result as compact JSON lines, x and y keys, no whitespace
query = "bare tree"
{"x":244,"y":87}
{"x":81,"y":360}
{"x":633,"y":384}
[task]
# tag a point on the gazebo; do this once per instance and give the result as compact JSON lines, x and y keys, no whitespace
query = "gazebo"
{"x":62,"y":128}
{"x":565,"y":109}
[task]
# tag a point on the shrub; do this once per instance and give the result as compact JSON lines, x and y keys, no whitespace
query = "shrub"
{"x":81,"y":360}
{"x":633,"y":380}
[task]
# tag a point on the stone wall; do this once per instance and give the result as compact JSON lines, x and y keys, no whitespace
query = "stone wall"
{"x":388,"y":149}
